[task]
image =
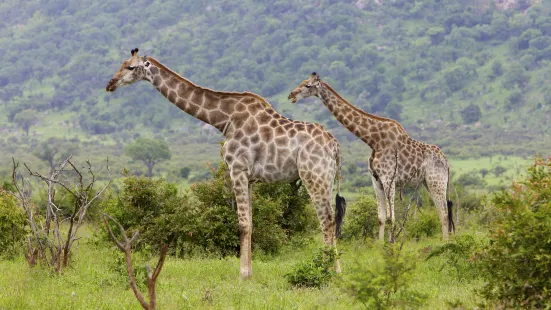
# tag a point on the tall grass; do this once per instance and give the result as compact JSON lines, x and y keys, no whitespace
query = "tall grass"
{"x":96,"y":280}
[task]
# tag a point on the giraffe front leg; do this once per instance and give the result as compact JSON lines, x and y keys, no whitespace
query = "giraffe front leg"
{"x":381,"y":210}
{"x":390,"y":193}
{"x":242,"y":191}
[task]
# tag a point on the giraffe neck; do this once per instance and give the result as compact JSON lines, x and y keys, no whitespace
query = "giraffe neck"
{"x":213,"y":107}
{"x":365,"y":126}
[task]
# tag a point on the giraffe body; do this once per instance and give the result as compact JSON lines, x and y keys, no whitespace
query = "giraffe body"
{"x":396,"y":161}
{"x":260,"y":144}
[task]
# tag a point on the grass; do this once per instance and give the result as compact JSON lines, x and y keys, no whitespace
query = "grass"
{"x":95,"y":281}
{"x":515,"y":167}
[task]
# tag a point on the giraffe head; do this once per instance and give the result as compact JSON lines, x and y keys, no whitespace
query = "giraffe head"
{"x":308,"y":88}
{"x":132,"y":70}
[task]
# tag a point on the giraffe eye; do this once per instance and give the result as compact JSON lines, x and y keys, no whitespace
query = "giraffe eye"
{"x":131,"y":67}
{"x":307,"y":85}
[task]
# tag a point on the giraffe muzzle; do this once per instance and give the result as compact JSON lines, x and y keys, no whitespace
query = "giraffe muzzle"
{"x":112,"y":85}
{"x":292,"y":97}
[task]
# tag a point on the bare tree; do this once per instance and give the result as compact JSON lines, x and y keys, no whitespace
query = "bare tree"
{"x":46,"y":241}
{"x":126,"y":247}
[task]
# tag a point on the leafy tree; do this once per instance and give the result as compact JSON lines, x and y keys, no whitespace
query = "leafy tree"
{"x":25,"y":119}
{"x":149,"y":151}
{"x":517,"y":261}
{"x":470,"y":179}
{"x":184,"y":172}
{"x":52,"y":150}
{"x":516,"y":76}
{"x":484,"y":172}
{"x":471,"y":114}
{"x":497,"y":69}
{"x":499,"y":170}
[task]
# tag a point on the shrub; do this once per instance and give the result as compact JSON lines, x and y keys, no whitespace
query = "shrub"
{"x":517,"y":260}
{"x":205,"y":220}
{"x":152,"y":207}
{"x":459,"y":256}
{"x":316,"y":272}
{"x":387,"y":284}
{"x":12,"y":225}
{"x":361,"y":219}
{"x":425,"y":224}
{"x":471,"y":114}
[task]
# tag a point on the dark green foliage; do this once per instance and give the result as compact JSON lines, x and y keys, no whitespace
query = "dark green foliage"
{"x":517,"y":260}
{"x":470,"y":179}
{"x":499,"y":170}
{"x":205,"y":220}
{"x":184,"y":172}
{"x":497,"y":69}
{"x":387,"y":284}
{"x":25,"y":119}
{"x":12,"y":225}
{"x":54,"y":150}
{"x":316,"y":272}
{"x":471,"y":114}
{"x":361,"y":218}
{"x":279,"y":212}
{"x":152,"y":207}
{"x":459,"y":255}
{"x":425,"y":224}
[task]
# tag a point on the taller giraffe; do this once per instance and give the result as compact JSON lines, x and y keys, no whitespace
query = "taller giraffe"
{"x":260,"y":145}
{"x":396,"y":158}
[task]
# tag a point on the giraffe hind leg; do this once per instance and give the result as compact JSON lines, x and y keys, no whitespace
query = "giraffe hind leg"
{"x":320,"y":193}
{"x":437,"y":191}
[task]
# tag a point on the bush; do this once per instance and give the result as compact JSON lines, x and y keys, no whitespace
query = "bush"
{"x":12,"y":225}
{"x":316,"y":272}
{"x":425,"y":224}
{"x":152,"y":207}
{"x":205,"y":220}
{"x":459,"y":256}
{"x":387,"y":284}
{"x":517,"y":260}
{"x":361,"y":219}
{"x":280,"y":210}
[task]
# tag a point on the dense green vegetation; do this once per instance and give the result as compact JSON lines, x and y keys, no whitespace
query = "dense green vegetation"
{"x":466,"y":75}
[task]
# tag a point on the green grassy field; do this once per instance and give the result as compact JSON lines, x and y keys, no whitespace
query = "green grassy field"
{"x":97,"y":280}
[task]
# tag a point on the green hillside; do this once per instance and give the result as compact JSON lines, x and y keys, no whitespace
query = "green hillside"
{"x":468,"y":75}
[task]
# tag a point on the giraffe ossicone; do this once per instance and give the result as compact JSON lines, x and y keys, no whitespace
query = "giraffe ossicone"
{"x":260,"y":145}
{"x":397,"y":160}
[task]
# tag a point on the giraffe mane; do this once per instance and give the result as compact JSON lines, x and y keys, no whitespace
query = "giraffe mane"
{"x":183,"y":79}
{"x":361,"y":111}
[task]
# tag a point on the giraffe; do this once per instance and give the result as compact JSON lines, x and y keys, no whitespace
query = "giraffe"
{"x":397,"y":160}
{"x":260,"y":145}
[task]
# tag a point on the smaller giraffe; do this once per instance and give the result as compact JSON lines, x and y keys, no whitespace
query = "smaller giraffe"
{"x":396,"y":159}
{"x":260,"y":145}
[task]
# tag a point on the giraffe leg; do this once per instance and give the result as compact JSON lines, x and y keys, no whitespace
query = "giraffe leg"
{"x":321,"y":193}
{"x":242,"y":191}
{"x":381,"y":210}
{"x":437,"y":190}
{"x":390,"y":191}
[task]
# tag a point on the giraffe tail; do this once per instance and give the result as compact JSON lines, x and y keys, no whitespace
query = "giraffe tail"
{"x":340,"y":205}
{"x":451,"y":224}
{"x":340,"y":202}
